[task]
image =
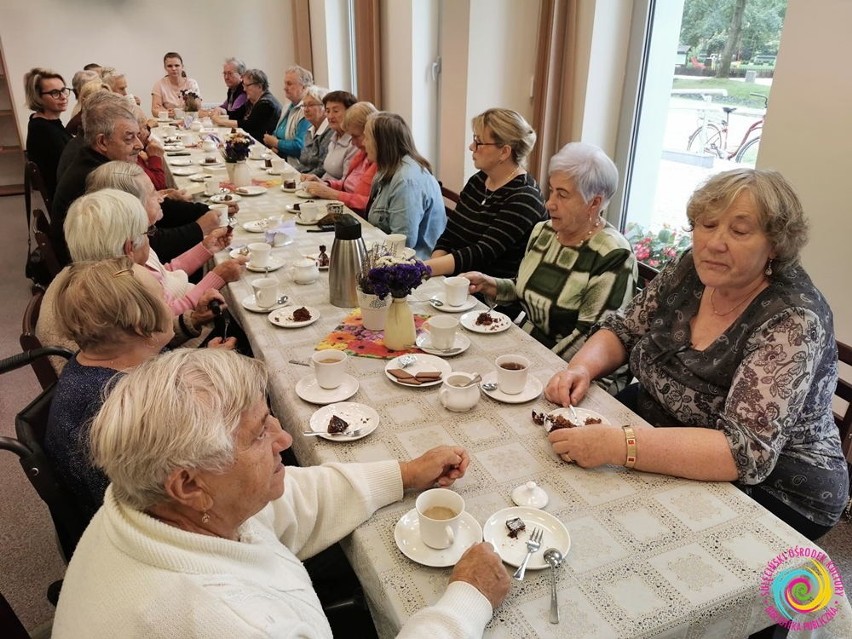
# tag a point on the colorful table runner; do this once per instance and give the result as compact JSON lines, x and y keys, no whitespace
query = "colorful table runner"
{"x":352,"y":338}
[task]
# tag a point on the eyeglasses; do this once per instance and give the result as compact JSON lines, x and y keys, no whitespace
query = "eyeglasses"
{"x":250,"y":84}
{"x":58,"y":93}
{"x":152,"y":231}
{"x":478,"y":143}
{"x":311,"y":106}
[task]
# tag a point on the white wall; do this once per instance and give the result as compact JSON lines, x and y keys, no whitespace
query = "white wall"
{"x":133,"y":36}
{"x":807,"y":138}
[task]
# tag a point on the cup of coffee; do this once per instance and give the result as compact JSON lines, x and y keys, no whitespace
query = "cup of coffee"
{"x":457,"y":393}
{"x":162,"y":115}
{"x":334,"y":208}
{"x":395,"y":242}
{"x":279,"y":165}
{"x":329,"y":367}
{"x":167,"y":129}
{"x":442,"y":331}
{"x":221,"y":209}
{"x":211,"y":186}
{"x":512,"y":372}
{"x":179,"y":114}
{"x":439,"y":512}
{"x":265,"y":291}
{"x":304,"y":271}
{"x":310,"y":212}
{"x":455,"y":290}
{"x":255,"y":151}
{"x":259,"y":254}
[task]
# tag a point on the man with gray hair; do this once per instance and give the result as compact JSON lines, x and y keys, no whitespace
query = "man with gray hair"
{"x":236,"y":101}
{"x":288,"y":140}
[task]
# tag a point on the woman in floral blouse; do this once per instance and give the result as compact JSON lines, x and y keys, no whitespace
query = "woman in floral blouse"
{"x":734,"y":350}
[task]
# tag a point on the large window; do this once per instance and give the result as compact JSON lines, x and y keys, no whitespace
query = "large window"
{"x":702,"y":77}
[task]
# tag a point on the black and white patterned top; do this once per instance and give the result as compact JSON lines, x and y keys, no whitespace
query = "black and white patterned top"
{"x":767,"y":382}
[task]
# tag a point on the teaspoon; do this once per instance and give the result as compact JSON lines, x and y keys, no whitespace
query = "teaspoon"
{"x":488,"y":386}
{"x":554,"y":559}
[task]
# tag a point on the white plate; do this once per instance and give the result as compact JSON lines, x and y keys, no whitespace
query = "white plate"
{"x":173,"y":148}
{"x":315,"y":258}
{"x":531,"y":390}
{"x":219,"y":198}
{"x":407,"y":537}
{"x":284,"y":317}
{"x":256,"y":226}
{"x":309,"y":389}
{"x":180,"y":162}
{"x":251,"y":190}
{"x":424,"y":343}
{"x":292,"y":208}
{"x":501,"y":322}
{"x":184,"y":170}
{"x":513,"y":551}
{"x":200,"y":177}
{"x":303,"y":194}
{"x":422,"y":364}
{"x":237,"y":253}
{"x":274,"y":264}
{"x":355,"y":414}
{"x":469,"y":303}
{"x":211,"y":165}
{"x":250,"y":304}
{"x":582,"y":415}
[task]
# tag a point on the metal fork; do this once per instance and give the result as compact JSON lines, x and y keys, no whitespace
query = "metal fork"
{"x":533,"y":544}
{"x":348,"y":433}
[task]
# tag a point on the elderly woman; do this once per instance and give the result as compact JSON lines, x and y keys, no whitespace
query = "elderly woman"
{"x":117,"y":81}
{"x":353,"y":189}
{"x":406,"y":197}
{"x":203,"y":529}
{"x":288,"y":140}
{"x":116,"y":315}
{"x":168,"y":93}
{"x":734,"y":350}
{"x":498,"y":206}
{"x":340,"y":148}
{"x":577,"y":267}
{"x":263,"y":110}
{"x":319,"y":134}
{"x":47,"y":96}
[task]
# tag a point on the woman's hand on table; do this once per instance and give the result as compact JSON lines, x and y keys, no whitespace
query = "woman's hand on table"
{"x":589,"y":446}
{"x":202,"y":314}
{"x":217,"y":239}
{"x":481,"y":283}
{"x":220,"y":120}
{"x":568,"y":386}
{"x":482,"y":568}
{"x":270,"y":140}
{"x":231,"y":270}
{"x":319,"y":189}
{"x":228,"y":345}
{"x":442,"y":465}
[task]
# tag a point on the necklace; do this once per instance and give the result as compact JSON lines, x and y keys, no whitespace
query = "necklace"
{"x":488,"y":193}
{"x":737,"y":305}
{"x":588,"y":235}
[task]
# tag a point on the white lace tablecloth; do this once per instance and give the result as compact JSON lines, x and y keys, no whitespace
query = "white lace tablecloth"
{"x":651,"y":556}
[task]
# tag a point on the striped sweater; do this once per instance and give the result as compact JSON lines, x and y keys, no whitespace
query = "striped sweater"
{"x":566,"y":290}
{"x":489,"y":230}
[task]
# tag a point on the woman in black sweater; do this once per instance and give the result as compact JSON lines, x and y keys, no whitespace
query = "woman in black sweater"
{"x":47,"y":95}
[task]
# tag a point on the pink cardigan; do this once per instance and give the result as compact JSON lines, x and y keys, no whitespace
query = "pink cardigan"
{"x":354,"y":189}
{"x":173,"y":276}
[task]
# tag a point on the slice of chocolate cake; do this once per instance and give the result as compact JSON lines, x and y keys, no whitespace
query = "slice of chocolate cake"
{"x":337,"y":425}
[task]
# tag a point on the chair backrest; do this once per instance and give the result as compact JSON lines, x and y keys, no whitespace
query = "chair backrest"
{"x":41,"y":232}
{"x":42,"y":368}
{"x":34,"y":183}
{"x":30,"y":427}
{"x":450,"y":196}
{"x":646,"y":274}
{"x":844,"y":392}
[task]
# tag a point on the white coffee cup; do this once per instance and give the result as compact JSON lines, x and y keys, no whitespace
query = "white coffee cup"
{"x":279,"y":165}
{"x":211,"y":187}
{"x":265,"y":291}
{"x":221,"y":209}
{"x":395,"y":243}
{"x":304,"y":271}
{"x":329,"y":367}
{"x":455,"y":290}
{"x":310,"y":212}
{"x":179,"y":114}
{"x":512,"y":380}
{"x":167,"y":130}
{"x":442,"y":331}
{"x":208,"y":146}
{"x":439,"y":512}
{"x":255,"y":151}
{"x":162,"y":115}
{"x":457,"y":393}
{"x":259,"y":254}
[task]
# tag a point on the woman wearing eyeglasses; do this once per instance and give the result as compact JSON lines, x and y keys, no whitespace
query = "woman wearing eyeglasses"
{"x":319,"y":134}
{"x":499,"y":205}
{"x":47,"y":95}
{"x":263,"y":110}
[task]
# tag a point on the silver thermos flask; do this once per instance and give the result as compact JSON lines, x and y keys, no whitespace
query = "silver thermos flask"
{"x":347,"y":256}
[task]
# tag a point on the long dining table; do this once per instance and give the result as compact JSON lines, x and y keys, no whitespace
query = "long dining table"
{"x":650,"y":555}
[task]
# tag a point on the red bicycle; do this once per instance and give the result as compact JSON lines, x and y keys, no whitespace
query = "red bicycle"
{"x":712,"y":138}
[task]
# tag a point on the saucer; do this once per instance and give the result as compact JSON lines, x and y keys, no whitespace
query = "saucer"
{"x":309,"y":390}
{"x":251,"y":190}
{"x":531,"y":390}
{"x":302,"y":193}
{"x":219,"y":198}
{"x":181,"y":162}
{"x":461,"y":342}
{"x":257,"y":226}
{"x":422,"y":363}
{"x":355,"y":414}
{"x":407,"y":537}
{"x":468,"y":304}
{"x":501,"y":322}
{"x":172,"y":148}
{"x":274,"y":264}
{"x":284,"y":318}
{"x":301,"y":222}
{"x":200,"y":177}
{"x":512,"y":551}
{"x":184,"y":170}
{"x":250,"y":304}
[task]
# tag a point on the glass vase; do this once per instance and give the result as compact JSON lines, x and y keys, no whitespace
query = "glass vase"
{"x":399,"y":326}
{"x":374,"y":311}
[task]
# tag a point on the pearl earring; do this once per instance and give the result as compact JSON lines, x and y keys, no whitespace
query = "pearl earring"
{"x":205,"y":518}
{"x":768,"y":270}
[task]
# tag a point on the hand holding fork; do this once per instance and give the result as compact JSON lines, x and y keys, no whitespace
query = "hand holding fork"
{"x":533,"y":544}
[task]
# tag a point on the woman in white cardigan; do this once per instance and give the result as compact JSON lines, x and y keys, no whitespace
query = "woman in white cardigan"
{"x":202,"y":534}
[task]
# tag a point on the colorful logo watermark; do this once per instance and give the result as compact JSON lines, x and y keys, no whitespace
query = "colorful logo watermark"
{"x":804,"y":589}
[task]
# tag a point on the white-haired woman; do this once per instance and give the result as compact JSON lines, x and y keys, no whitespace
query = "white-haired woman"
{"x":318,"y":136}
{"x":203,"y":530}
{"x":577,"y":267}
{"x":288,"y":139}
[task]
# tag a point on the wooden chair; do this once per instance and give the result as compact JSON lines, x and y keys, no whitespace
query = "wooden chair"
{"x":34,"y":183}
{"x":646,"y":274}
{"x":844,"y":392}
{"x":450,"y":196}
{"x":41,"y":232}
{"x":42,"y":368}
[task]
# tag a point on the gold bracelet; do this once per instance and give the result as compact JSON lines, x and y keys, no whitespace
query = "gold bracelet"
{"x":630,"y":440}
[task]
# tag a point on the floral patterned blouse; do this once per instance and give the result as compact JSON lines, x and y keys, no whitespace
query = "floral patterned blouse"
{"x":767,"y":382}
